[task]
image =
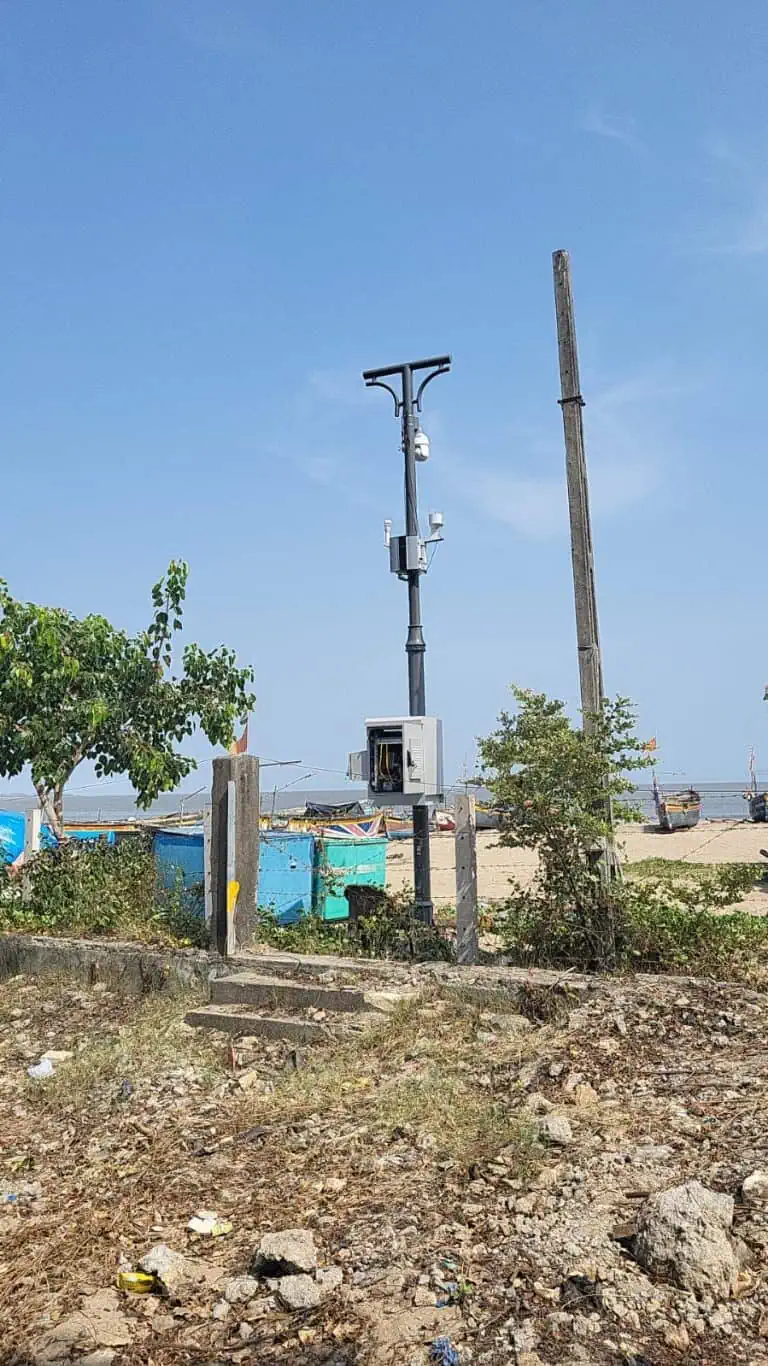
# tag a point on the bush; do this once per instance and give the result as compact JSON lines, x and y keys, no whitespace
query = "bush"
{"x":96,"y":888}
{"x":388,"y":930}
{"x":678,"y":921}
{"x":670,"y":920}
{"x":309,"y":934}
{"x":554,"y":783}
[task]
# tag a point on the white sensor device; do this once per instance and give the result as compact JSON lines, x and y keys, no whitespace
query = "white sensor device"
{"x":421,"y":445}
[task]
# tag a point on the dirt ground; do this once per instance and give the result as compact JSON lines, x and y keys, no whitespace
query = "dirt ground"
{"x":709,"y":842}
{"x":413,"y":1156}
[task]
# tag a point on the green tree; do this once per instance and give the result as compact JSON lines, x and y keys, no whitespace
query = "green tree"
{"x":73,"y":689}
{"x":551,"y":781}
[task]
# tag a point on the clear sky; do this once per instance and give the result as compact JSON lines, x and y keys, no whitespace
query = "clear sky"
{"x":215,"y":213}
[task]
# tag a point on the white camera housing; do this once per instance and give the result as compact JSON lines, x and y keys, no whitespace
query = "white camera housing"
{"x":436,"y":521}
{"x":421,"y":445}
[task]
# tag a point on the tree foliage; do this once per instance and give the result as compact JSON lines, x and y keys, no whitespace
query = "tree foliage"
{"x":552,"y":781}
{"x":76,"y":689}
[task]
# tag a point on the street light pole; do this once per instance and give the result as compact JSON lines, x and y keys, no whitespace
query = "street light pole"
{"x":407,"y":407}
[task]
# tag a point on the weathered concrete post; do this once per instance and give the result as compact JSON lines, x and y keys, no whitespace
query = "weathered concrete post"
{"x":32,"y":827}
{"x":207,"y":825}
{"x":234,"y":854}
{"x":466,"y":880}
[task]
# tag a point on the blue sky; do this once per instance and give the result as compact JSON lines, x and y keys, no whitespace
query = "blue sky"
{"x":216,"y":213}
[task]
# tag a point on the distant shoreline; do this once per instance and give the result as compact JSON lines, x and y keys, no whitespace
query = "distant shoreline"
{"x":720,"y":801}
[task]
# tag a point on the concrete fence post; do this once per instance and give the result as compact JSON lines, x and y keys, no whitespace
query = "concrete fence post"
{"x":207,"y":822}
{"x":466,"y":880}
{"x":234,"y":852}
{"x":33,"y":821}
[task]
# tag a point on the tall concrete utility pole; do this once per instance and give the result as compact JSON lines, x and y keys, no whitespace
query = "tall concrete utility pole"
{"x":582,"y":554}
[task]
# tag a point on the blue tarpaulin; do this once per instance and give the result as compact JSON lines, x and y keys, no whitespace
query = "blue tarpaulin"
{"x":11,"y":835}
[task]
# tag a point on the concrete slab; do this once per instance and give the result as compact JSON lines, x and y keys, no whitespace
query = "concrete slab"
{"x":252,"y":989}
{"x":234,"y":1021}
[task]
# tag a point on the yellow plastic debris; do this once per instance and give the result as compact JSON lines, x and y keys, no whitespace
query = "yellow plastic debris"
{"x":136,"y":1282}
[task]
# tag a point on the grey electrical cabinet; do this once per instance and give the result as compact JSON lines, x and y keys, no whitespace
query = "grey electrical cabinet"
{"x":403,"y":760}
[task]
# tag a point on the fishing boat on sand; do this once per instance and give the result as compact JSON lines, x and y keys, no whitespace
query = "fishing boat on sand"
{"x":676,"y":810}
{"x":486,"y":817}
{"x":757,"y":801}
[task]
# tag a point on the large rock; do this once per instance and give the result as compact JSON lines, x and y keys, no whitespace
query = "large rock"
{"x":241,"y":1289}
{"x":299,"y":1292}
{"x":755,"y":1188}
{"x":175,"y":1272}
{"x":329,"y":1279}
{"x":682,"y":1236}
{"x":291,"y":1252}
{"x":555,"y":1129}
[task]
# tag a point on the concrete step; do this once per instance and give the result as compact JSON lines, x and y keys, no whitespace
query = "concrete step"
{"x":275,"y":993}
{"x":231,"y":1020}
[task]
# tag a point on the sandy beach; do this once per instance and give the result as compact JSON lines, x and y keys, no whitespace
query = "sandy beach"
{"x":709,"y":842}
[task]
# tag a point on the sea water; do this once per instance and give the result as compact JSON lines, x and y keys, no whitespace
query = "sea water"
{"x":719,"y":801}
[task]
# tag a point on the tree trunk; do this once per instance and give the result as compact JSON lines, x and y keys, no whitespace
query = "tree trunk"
{"x":53,"y":810}
{"x":58,"y":808}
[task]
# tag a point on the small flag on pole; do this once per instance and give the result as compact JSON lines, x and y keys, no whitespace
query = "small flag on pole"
{"x":650,"y":745}
{"x":240,"y":746}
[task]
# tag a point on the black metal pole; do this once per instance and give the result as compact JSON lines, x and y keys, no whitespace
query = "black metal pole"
{"x":415,"y":648}
{"x":407,"y":405}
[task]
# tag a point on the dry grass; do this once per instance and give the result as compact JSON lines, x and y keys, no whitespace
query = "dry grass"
{"x":152,"y":1042}
{"x":395,"y":1111}
{"x":384,"y":1147}
{"x":420,"y":1071}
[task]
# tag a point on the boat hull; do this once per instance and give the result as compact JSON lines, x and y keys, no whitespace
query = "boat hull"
{"x":486,"y":819}
{"x":677,"y":810}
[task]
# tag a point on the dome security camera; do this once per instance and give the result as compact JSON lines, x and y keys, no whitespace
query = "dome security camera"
{"x":421,"y":445}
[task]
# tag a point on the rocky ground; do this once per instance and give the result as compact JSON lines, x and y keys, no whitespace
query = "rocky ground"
{"x":577,"y":1184}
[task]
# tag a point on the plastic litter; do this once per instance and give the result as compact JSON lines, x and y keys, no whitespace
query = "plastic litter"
{"x":41,"y":1069}
{"x":136,"y":1282}
{"x":443,"y":1353}
{"x":10,"y":1198}
{"x":208,"y":1224}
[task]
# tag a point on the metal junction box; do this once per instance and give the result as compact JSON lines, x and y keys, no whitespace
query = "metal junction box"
{"x":403,"y":760}
{"x":407,"y":553}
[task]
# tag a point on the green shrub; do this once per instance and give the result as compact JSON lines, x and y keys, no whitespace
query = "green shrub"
{"x":553,"y":783}
{"x":671,"y":919}
{"x":309,"y":934}
{"x":95,"y":888}
{"x":679,"y":921}
{"x":388,"y":931}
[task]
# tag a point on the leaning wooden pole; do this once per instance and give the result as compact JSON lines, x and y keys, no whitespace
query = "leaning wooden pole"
{"x":582,"y":555}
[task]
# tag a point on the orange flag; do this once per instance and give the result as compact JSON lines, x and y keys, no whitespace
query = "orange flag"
{"x":650,"y":745}
{"x":240,"y":746}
